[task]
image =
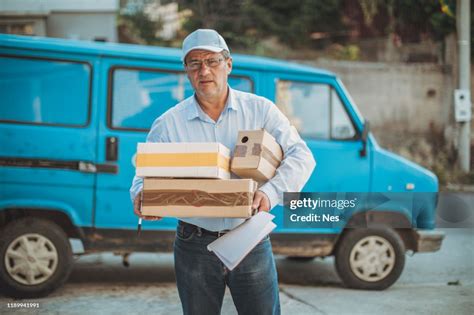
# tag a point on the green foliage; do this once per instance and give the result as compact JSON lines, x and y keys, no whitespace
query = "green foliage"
{"x":246,"y":22}
{"x":424,"y":17}
{"x":137,"y":22}
{"x":273,"y":27}
{"x":350,"y":52}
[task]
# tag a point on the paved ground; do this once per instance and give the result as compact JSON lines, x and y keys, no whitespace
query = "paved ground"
{"x":432,"y":283}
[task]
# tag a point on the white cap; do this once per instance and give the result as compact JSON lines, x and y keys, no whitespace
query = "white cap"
{"x":204,"y":39}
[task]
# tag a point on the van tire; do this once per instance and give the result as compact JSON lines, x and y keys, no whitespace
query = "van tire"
{"x":370,"y":259}
{"x":45,"y":267}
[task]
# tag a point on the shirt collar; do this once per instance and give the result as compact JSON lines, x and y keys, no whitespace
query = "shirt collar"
{"x":231,"y":102}
{"x":193,"y":109}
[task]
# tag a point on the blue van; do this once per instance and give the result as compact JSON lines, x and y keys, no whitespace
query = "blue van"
{"x":72,"y":113}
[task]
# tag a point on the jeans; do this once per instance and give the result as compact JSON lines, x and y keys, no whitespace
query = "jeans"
{"x":201,"y":277}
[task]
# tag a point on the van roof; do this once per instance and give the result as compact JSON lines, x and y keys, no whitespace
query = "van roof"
{"x":146,"y":52}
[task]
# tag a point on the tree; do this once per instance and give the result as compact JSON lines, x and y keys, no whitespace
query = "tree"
{"x":246,"y":22}
{"x":135,"y":26}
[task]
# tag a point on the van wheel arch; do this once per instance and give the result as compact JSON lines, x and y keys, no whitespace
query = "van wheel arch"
{"x":58,"y":217}
{"x":381,"y":219}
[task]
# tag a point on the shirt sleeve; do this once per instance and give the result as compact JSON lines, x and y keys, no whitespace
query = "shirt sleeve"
{"x":157,"y":134}
{"x":298,"y":162}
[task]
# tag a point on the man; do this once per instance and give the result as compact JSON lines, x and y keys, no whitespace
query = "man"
{"x":215,"y":113}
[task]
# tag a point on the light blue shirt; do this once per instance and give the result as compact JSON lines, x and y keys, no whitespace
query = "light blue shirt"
{"x":187,"y":122}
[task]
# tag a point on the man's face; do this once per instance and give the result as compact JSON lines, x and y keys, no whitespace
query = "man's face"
{"x":209,"y":82}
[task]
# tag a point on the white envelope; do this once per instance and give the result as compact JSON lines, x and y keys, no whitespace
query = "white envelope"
{"x":233,"y":247}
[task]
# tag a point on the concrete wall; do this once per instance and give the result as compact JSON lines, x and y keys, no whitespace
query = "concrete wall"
{"x":83,"y":25}
{"x":410,"y":107}
{"x":407,"y":96}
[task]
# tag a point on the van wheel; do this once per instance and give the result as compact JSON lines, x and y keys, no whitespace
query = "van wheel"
{"x":35,"y":258}
{"x":370,"y":259}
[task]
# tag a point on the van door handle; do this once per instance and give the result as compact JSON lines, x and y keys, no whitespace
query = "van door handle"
{"x":111,"y":150}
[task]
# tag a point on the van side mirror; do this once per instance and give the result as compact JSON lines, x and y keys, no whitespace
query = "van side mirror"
{"x":365,"y":134}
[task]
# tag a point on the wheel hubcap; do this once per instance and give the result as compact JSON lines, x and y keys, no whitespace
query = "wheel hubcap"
{"x":372,"y":258}
{"x":31,"y":259}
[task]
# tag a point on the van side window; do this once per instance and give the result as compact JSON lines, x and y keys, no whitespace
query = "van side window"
{"x":314,"y":109}
{"x":140,"y":96}
{"x":41,"y":91}
{"x":241,"y":83}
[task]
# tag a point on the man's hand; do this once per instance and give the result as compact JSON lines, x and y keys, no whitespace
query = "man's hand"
{"x":136,"y":209}
{"x":261,"y":201}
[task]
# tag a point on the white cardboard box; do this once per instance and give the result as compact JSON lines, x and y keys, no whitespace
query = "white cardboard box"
{"x":184,"y":159}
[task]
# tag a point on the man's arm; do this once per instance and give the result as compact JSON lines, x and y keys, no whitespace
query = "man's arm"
{"x":298,"y":162}
{"x":157,"y":134}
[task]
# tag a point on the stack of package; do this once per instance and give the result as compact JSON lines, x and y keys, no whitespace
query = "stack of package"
{"x":193,"y":179}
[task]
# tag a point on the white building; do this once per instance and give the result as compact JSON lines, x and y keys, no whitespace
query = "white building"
{"x":75,"y":19}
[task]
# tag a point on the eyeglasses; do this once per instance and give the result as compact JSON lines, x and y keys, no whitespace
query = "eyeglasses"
{"x":194,"y":65}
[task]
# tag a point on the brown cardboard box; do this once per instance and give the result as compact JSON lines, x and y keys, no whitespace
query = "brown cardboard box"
{"x":230,"y":198}
{"x":196,"y":160}
{"x":257,"y":155}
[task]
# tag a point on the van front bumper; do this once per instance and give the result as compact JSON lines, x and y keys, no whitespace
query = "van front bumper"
{"x":428,"y":240}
